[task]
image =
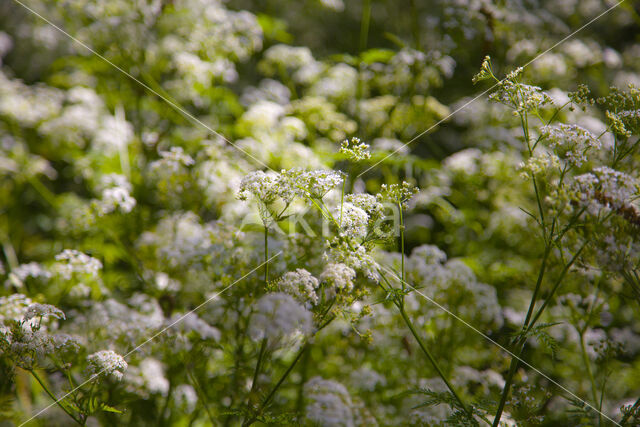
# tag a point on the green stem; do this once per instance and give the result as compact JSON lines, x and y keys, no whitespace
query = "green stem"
{"x":165,"y":406}
{"x":534,"y":297}
{"x":513,"y":367}
{"x":556,"y":285}
{"x":273,"y":391}
{"x":587,"y":364}
{"x":401,"y":245}
{"x":55,"y":399}
{"x":263,"y":347}
{"x":284,"y":376}
{"x":435,"y":365}
{"x":364,"y":35}
{"x":515,"y":362}
{"x":266,"y":255}
{"x":43,"y":190}
{"x":201,"y":396}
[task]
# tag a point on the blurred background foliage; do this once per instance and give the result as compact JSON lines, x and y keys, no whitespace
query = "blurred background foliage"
{"x":285,"y":82}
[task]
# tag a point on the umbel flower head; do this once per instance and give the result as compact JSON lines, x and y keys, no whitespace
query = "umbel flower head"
{"x":301,"y":285}
{"x":329,"y":403}
{"x":277,"y":317}
{"x":314,"y":184}
{"x":43,"y":310}
{"x":107,"y":363}
{"x":355,"y":150}
{"x":338,"y":277}
{"x":397,"y":193}
{"x":287,"y":185}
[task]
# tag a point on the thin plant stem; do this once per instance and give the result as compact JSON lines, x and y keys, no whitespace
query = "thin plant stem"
{"x":587,"y":365}
{"x":266,"y":255}
{"x":284,"y":376}
{"x":256,"y":372}
{"x":400,"y":304}
{"x":273,"y":391}
{"x":201,"y":396}
{"x":55,"y":399}
{"x":433,"y":361}
{"x":401,"y":245}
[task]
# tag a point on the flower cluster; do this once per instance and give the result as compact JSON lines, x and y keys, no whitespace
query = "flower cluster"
{"x":570,"y":141}
{"x":107,"y":363}
{"x":301,"y":285}
{"x":278,"y":316}
{"x":71,"y":261}
{"x":355,"y":150}
{"x":329,"y":403}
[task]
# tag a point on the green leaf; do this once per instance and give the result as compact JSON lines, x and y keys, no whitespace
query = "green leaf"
{"x":377,"y":55}
{"x":108,"y":408}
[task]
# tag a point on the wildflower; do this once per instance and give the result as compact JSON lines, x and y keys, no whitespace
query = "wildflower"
{"x":521,"y":97}
{"x":153,"y":376}
{"x":43,"y":310}
{"x":185,"y":397}
{"x":397,"y":193}
{"x":353,"y":255}
{"x":355,"y":150}
{"x":485,"y":72}
{"x":367,"y":202}
{"x":367,"y":379}
{"x":192,"y":323}
{"x":300,"y":284}
{"x":278,"y":316}
{"x":13,"y":307}
{"x":72,"y":261}
{"x":25,"y":343}
{"x":353,"y":220}
{"x":175,"y":157}
{"x":114,"y":134}
{"x":607,"y":188}
{"x":260,"y":185}
{"x":572,"y":141}
{"x":314,"y":184}
{"x":539,"y":163}
{"x":329,"y":403}
{"x":18,"y":275}
{"x":107,"y":362}
{"x":338,"y":276}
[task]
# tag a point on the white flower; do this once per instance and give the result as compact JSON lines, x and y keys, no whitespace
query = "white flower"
{"x":367,"y":379}
{"x":571,"y":141}
{"x":18,"y":275}
{"x":43,"y":310}
{"x":107,"y":362}
{"x":260,"y":185}
{"x":185,"y":397}
{"x":367,"y":202}
{"x":338,"y":276}
{"x":300,"y":284}
{"x":114,"y":134}
{"x":329,"y":403}
{"x":175,"y":157}
{"x":353,"y":220}
{"x":115,"y":194}
{"x":315,"y":184}
{"x":73,"y":261}
{"x":605,"y":188}
{"x":153,"y":375}
{"x":191,"y":322}
{"x":13,"y":307}
{"x":464,"y":161}
{"x":278,"y":316}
